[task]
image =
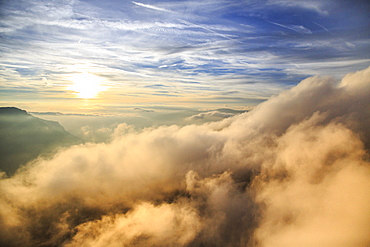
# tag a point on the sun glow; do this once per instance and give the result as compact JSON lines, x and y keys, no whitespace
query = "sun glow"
{"x":86,"y":85}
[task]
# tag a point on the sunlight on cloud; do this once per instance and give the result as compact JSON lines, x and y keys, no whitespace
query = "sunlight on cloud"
{"x":294,"y":171}
{"x":86,"y":85}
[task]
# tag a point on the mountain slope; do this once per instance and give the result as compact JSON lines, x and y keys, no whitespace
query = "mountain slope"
{"x":24,"y":137}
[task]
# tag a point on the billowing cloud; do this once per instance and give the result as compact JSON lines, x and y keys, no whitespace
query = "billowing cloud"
{"x":293,"y":171}
{"x":315,"y":194}
{"x":166,"y":224}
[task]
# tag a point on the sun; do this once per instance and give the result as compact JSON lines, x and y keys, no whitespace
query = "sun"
{"x":86,"y":85}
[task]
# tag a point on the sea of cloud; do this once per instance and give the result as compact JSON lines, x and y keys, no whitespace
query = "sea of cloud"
{"x":294,"y":171}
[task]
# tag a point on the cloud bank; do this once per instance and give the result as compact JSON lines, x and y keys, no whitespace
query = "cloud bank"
{"x":294,"y":171}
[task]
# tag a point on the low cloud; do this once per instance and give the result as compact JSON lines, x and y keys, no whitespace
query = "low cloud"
{"x":293,"y":171}
{"x":166,"y":224}
{"x":211,"y":115}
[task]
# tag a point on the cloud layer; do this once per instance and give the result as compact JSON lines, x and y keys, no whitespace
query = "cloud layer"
{"x":294,"y":171}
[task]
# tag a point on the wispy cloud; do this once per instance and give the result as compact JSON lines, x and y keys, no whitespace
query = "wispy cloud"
{"x":296,"y":28}
{"x":314,"y":5}
{"x":149,"y":6}
{"x":207,"y":42}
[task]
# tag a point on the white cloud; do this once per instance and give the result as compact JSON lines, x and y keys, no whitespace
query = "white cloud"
{"x":149,"y":6}
{"x":318,"y":6}
{"x":296,"y":28}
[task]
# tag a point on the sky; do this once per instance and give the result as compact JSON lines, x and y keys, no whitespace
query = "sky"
{"x":124,"y":57}
{"x":198,"y":123}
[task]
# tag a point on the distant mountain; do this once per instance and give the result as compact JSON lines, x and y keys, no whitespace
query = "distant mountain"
{"x":24,"y":137}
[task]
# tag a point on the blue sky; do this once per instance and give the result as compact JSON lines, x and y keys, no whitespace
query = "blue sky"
{"x":173,"y":53}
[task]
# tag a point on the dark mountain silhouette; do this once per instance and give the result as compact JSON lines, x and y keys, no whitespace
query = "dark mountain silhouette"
{"x":24,"y":137}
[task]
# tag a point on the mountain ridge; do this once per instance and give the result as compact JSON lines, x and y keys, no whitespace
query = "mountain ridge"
{"x":24,"y":137}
